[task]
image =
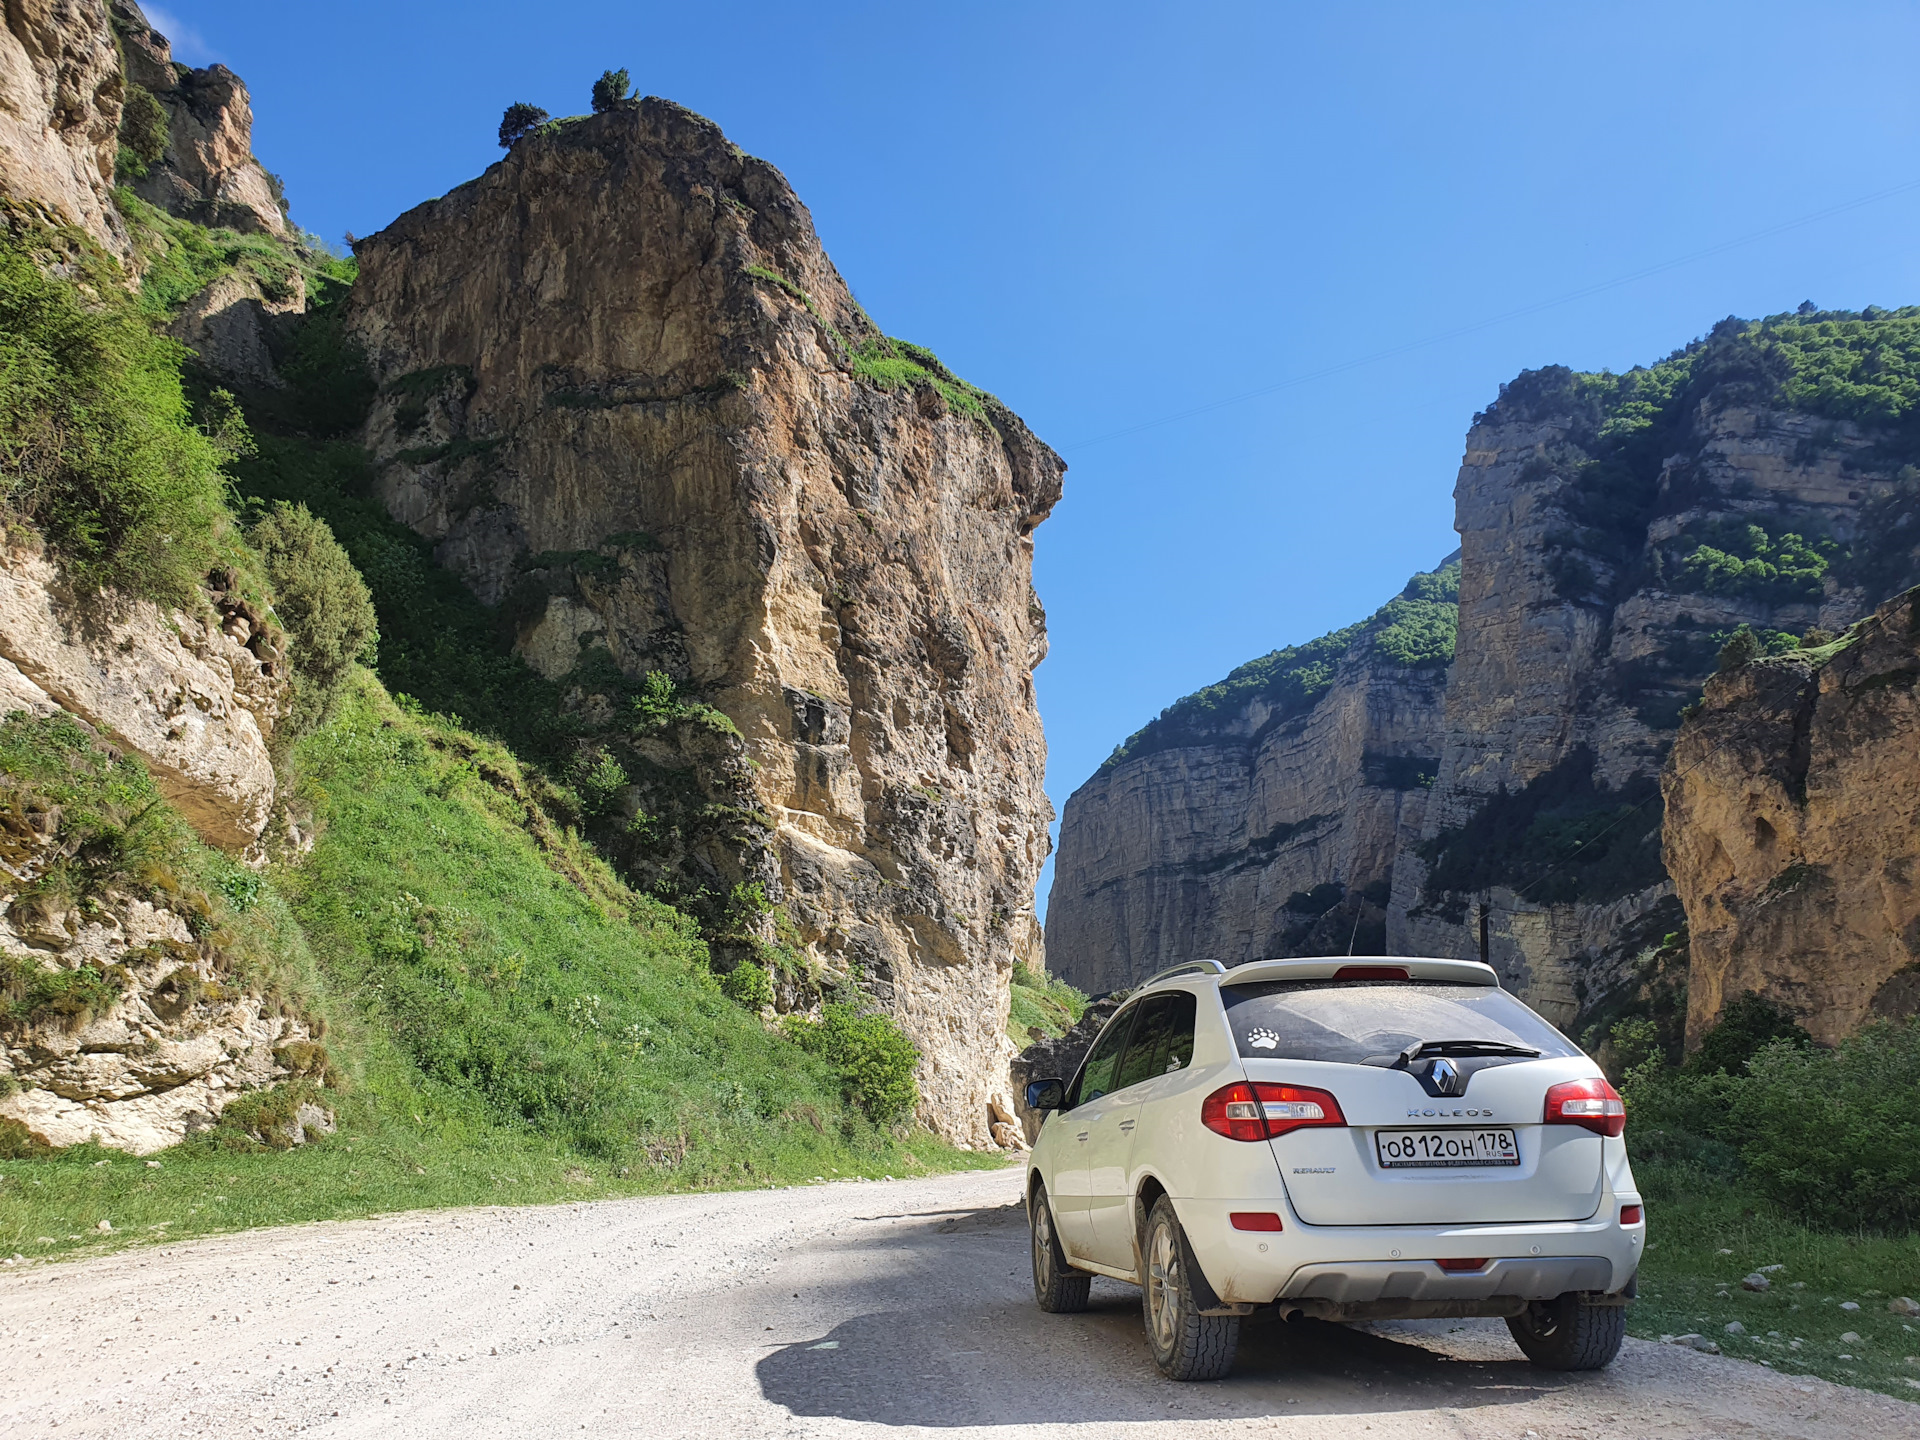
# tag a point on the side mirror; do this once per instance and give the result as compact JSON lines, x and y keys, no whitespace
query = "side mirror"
{"x":1045,"y":1095}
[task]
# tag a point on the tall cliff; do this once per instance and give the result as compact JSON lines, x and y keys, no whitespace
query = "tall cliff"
{"x":1792,"y":810}
{"x":778,"y":564}
{"x":1261,"y":816}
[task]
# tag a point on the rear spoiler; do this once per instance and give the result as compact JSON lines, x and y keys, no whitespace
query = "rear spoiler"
{"x":1369,"y":967}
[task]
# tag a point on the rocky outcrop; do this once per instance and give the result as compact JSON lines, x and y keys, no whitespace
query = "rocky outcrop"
{"x":208,"y":174}
{"x":780,"y":564}
{"x":60,"y":97}
{"x":1261,"y":817}
{"x":196,"y":695}
{"x":1793,"y":803}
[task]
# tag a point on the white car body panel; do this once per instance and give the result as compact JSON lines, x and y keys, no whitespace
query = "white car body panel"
{"x":1352,"y":1233}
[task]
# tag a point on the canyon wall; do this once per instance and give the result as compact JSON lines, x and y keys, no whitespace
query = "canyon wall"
{"x":1261,"y":817}
{"x":779,"y":564}
{"x":60,"y":94}
{"x":1793,"y":800}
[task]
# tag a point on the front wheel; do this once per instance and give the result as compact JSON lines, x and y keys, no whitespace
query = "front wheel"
{"x":1186,"y":1344}
{"x":1568,"y":1333}
{"x":1057,"y":1287}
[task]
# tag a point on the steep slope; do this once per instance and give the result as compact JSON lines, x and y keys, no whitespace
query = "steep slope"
{"x":1261,"y":816}
{"x":777,"y":563}
{"x":1615,"y":531}
{"x":1792,"y":806}
{"x":61,"y":89}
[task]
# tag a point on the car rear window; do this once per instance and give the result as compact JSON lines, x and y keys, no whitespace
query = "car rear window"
{"x":1362,"y":1021}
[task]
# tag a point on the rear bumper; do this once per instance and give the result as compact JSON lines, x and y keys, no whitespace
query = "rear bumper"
{"x":1392,"y":1269}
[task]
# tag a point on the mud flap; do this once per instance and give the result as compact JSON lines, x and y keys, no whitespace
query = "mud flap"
{"x":1206,"y":1299}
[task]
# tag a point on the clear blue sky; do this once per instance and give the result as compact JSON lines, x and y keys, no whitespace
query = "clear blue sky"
{"x":1114,"y":213}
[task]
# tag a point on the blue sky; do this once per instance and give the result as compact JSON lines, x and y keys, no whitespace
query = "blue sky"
{"x":1114,"y":214}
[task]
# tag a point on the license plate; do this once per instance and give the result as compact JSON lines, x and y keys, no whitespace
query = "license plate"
{"x":1407,"y":1149}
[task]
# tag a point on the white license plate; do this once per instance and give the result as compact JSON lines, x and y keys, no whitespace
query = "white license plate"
{"x":1406,"y":1149}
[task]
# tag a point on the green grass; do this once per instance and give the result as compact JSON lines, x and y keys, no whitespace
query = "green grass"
{"x":506,"y":1021}
{"x":1695,"y":1212}
{"x":1042,"y":1002}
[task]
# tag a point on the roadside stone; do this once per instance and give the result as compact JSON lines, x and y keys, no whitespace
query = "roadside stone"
{"x":1769,"y":1269}
{"x":1695,"y":1341}
{"x":1850,"y":1305}
{"x":1756,"y":1282}
{"x":1734,"y":1327}
{"x":1850,"y":1338}
{"x":1904,"y":1305}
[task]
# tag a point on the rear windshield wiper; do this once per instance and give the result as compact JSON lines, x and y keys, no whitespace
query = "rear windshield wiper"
{"x":1464,"y":1047}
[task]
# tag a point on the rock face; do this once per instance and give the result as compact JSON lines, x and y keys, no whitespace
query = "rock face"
{"x":60,"y":97}
{"x":209,"y":174}
{"x":1793,"y":802}
{"x":1267,"y":825}
{"x":629,"y":398}
{"x":196,"y":695}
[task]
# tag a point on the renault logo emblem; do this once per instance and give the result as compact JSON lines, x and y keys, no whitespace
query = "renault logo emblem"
{"x":1446,"y":1077}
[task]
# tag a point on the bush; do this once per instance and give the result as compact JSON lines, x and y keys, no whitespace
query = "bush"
{"x":609,"y":90}
{"x":1835,"y":1134}
{"x":873,"y":1056}
{"x":323,"y":603}
{"x":96,"y":446}
{"x":520,"y":120}
{"x":1746,"y":1027}
{"x":1742,"y":648}
{"x":144,"y":132}
{"x":748,"y":984}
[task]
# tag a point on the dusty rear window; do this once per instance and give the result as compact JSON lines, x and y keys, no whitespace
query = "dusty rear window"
{"x":1369,"y":1021}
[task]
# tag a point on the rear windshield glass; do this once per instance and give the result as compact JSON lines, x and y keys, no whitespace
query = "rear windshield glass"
{"x":1371,"y":1021}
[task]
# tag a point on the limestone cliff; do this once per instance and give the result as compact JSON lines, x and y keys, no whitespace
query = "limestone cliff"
{"x":1263,"y":815}
{"x":780,"y":563}
{"x":60,"y":96}
{"x":1793,"y":803}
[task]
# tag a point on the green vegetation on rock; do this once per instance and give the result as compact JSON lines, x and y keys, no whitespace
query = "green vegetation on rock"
{"x":1044,"y":1006}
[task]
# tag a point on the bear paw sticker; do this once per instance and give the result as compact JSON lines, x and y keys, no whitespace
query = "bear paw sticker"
{"x":1261,"y":1038}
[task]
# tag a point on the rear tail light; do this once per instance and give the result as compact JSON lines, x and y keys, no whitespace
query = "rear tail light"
{"x":1456,"y":1267}
{"x":1631,"y":1214}
{"x":1372,"y":972}
{"x":1254,"y":1220}
{"x":1593,"y":1104}
{"x":1243,"y":1111}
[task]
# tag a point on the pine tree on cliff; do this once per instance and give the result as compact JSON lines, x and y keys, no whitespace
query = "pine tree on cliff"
{"x":518,"y":122}
{"x":609,"y":90}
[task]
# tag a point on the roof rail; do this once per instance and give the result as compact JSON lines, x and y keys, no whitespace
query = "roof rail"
{"x":1202,"y":967}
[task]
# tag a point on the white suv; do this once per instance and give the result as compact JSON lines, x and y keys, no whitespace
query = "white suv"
{"x":1346,"y":1139}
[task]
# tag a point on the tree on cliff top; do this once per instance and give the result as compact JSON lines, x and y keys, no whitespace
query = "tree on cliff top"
{"x":520,"y":119}
{"x":609,"y":90}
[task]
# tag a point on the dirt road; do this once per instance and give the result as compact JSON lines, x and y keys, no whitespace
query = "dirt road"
{"x":847,"y":1309}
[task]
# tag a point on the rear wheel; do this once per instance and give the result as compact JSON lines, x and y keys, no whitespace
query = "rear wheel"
{"x":1186,"y":1344}
{"x":1057,"y":1287}
{"x":1568,"y":1333}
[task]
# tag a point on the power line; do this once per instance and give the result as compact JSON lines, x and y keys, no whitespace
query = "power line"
{"x":1441,"y":337}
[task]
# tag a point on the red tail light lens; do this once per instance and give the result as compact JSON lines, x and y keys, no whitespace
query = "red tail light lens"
{"x":1592,"y":1104}
{"x":1461,"y":1267}
{"x":1254,"y":1220}
{"x":1372,"y":972}
{"x":1243,"y":1111}
{"x":1631,"y":1214}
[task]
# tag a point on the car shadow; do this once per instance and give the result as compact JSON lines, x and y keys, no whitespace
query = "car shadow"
{"x":975,"y":1350}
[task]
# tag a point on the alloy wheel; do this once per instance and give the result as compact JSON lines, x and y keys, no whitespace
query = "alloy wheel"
{"x":1163,"y":1288}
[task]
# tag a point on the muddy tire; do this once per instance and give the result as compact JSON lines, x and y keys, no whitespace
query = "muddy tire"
{"x":1567,"y":1333}
{"x":1186,"y":1344}
{"x":1058,"y":1288}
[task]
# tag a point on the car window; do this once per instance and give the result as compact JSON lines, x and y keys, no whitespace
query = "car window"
{"x":1162,"y":1038}
{"x":1357,"y":1021}
{"x":1097,"y":1070}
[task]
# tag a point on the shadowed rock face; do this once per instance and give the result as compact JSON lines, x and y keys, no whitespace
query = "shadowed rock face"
{"x":1793,"y":799}
{"x":60,"y":97}
{"x":623,"y":344}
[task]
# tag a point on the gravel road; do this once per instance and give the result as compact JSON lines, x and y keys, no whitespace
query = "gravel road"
{"x":844,"y":1309}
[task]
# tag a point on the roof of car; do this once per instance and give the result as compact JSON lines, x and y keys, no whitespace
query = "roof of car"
{"x":1328,"y":967}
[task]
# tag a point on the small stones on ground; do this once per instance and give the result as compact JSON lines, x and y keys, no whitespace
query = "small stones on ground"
{"x":1769,"y":1269}
{"x":1723,"y":1252}
{"x":1849,"y":1305}
{"x":1798,"y":1285}
{"x":1734,"y":1327}
{"x":1850,"y":1338}
{"x":1756,"y":1282}
{"x":1903,"y":1305}
{"x":1695,"y":1341}
{"x":105,"y":1227}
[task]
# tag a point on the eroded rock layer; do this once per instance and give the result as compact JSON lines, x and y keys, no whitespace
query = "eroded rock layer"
{"x":629,"y":398}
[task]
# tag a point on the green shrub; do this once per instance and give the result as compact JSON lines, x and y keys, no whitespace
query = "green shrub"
{"x":323,"y":603}
{"x":520,"y":121}
{"x":96,"y":446}
{"x":1750,"y":561}
{"x":872,"y":1054}
{"x":1835,"y":1135}
{"x":749,"y":985}
{"x":17,"y":1142}
{"x":609,"y":90}
{"x":143,"y":132}
{"x":1748,"y":1025}
{"x":1742,"y":648}
{"x":893,"y":364}
{"x":1042,"y":1002}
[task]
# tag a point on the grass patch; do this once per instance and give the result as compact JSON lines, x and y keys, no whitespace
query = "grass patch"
{"x":1042,"y":1003}
{"x":896,"y":364}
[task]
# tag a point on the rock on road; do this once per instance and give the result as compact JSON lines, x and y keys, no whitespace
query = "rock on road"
{"x":837,"y":1310}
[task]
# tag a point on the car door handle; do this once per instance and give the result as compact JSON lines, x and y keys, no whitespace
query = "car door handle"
{"x":1083,"y":1135}
{"x":1127,"y":1126}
